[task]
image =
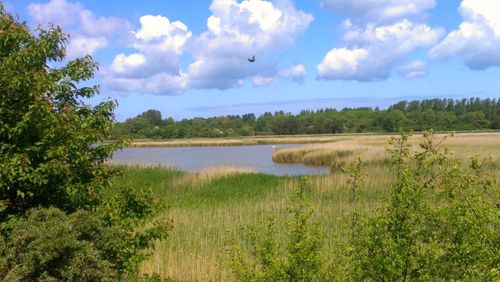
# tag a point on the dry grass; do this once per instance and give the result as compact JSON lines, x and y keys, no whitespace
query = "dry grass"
{"x":371,"y":148}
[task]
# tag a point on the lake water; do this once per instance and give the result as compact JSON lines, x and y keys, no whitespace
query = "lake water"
{"x":257,"y":158}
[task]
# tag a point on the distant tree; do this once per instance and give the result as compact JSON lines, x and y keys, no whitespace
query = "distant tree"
{"x":153,"y":116}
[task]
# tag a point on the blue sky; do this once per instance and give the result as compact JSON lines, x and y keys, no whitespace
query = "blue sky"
{"x":189,"y":58}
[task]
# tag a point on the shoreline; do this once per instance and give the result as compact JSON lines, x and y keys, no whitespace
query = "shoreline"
{"x":277,"y":139}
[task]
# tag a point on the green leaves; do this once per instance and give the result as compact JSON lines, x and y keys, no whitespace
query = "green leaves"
{"x":56,"y":220}
{"x":51,"y":150}
{"x":442,"y":222}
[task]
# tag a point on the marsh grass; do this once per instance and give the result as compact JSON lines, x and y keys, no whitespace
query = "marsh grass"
{"x":210,"y":206}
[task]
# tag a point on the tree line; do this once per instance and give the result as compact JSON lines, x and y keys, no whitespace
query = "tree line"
{"x":417,"y":115}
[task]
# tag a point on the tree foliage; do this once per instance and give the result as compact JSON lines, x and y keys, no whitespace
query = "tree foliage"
{"x":50,"y":141}
{"x":58,"y":219}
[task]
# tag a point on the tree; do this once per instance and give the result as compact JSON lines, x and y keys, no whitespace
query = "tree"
{"x":52,"y":155}
{"x":50,"y":141}
{"x":153,"y":116}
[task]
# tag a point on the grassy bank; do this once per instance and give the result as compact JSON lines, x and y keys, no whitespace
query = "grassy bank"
{"x":211,"y":206}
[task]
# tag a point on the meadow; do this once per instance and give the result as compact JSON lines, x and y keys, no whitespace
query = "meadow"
{"x":211,"y":207}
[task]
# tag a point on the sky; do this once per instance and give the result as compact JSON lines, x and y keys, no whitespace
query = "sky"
{"x":190,"y":58}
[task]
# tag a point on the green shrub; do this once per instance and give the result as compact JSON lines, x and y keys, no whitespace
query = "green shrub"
{"x":49,"y":245}
{"x":442,"y":222}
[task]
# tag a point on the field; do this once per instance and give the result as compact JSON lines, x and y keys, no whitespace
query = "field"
{"x":210,"y":207}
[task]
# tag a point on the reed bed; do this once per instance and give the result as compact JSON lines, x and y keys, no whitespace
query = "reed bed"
{"x":211,"y":206}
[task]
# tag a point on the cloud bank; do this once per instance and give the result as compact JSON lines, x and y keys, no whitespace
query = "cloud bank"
{"x":477,"y":39}
{"x":236,"y":31}
{"x":88,"y":32}
{"x":377,"y":36}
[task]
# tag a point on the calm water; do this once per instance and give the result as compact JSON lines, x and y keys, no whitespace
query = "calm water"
{"x":257,"y":158}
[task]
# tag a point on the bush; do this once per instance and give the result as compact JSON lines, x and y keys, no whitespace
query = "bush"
{"x":106,"y":244}
{"x":442,"y":222}
{"x":49,"y":245}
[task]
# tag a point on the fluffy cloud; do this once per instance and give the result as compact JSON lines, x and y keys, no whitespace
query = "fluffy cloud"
{"x":415,"y":69}
{"x":379,"y":10}
{"x":477,"y":39}
{"x":89,"y":33}
{"x":161,"y":83}
{"x":237,"y":31}
{"x":154,"y":68}
{"x":80,"y":46}
{"x":294,"y":73}
{"x":372,"y":51}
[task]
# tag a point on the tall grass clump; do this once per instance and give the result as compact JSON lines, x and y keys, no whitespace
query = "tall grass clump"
{"x":299,"y":259}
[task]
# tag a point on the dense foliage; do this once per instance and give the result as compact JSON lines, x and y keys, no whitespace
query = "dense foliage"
{"x":439,"y":114}
{"x":47,"y":134}
{"x":57,"y":219}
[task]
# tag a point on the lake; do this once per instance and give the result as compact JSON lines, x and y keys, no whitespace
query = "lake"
{"x":257,"y":158}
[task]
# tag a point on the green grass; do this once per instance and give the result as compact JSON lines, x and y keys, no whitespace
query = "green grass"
{"x":206,"y":215}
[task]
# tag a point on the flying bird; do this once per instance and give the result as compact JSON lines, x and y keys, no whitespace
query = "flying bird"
{"x":252,"y":59}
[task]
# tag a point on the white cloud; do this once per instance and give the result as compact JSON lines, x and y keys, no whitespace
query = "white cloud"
{"x":154,"y":66}
{"x":161,"y":83}
{"x":414,"y":69}
{"x":60,"y":12}
{"x":123,"y":63}
{"x":294,"y":73}
{"x":88,"y":32}
{"x":80,"y":46}
{"x":237,"y":31}
{"x":372,"y":51}
{"x":477,"y":39}
{"x":378,"y":10}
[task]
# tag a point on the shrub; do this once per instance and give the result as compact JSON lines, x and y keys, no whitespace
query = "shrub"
{"x":441,"y":224}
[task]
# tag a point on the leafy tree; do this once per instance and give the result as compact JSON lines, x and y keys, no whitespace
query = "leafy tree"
{"x":57,"y":218}
{"x":153,"y":117}
{"x":50,"y":141}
